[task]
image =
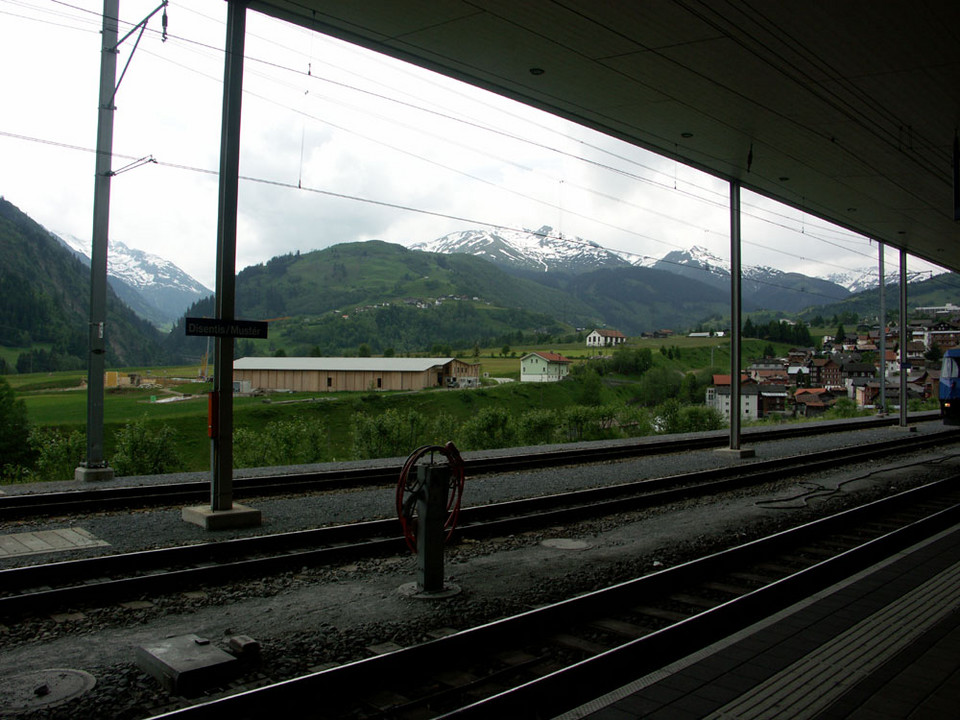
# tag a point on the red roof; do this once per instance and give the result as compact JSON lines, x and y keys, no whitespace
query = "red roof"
{"x":552,"y":357}
{"x":725,"y":379}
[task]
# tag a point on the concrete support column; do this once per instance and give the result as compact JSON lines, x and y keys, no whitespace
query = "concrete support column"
{"x":883,"y":333}
{"x":735,"y":295}
{"x":222,"y":513}
{"x":222,"y":441}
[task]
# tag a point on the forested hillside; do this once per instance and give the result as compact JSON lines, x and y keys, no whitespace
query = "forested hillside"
{"x":44,"y":301}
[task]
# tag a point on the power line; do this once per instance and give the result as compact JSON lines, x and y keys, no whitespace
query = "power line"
{"x":549,"y":148}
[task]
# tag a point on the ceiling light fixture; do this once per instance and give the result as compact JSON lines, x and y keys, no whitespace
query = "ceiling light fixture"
{"x":537,"y":71}
{"x":686,"y":135}
{"x":784,"y":178}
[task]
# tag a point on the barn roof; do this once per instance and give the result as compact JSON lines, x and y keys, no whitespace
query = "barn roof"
{"x":339,"y":364}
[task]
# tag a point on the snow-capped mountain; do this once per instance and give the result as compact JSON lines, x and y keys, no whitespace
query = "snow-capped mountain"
{"x":540,"y":250}
{"x":154,"y":288}
{"x":761,"y":286}
{"x":869,"y":278}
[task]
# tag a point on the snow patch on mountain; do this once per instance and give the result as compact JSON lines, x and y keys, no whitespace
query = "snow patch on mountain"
{"x":868,"y":278}
{"x":542,"y":250}
{"x":153,"y":287}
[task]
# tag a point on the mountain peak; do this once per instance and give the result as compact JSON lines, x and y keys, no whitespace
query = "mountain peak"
{"x":155,"y":288}
{"x":539,"y":250}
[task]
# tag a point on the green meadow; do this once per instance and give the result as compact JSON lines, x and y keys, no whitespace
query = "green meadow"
{"x":58,"y":401}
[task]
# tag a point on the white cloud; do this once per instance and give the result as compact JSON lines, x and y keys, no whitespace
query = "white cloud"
{"x":316,"y":113}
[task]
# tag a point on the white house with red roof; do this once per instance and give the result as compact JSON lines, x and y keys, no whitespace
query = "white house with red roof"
{"x":544,"y":367}
{"x":605,"y":338}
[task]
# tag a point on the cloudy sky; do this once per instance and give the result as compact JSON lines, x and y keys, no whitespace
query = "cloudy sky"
{"x":338,"y":145}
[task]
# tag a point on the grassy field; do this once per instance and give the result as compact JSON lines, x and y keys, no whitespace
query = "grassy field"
{"x":58,"y":400}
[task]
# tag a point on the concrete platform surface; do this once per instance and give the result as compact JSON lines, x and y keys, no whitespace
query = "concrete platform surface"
{"x":883,"y":645}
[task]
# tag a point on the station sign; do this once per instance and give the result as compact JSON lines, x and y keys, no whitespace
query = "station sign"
{"x":213,"y":327}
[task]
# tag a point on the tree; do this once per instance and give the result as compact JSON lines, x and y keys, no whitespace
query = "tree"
{"x":934,"y":354}
{"x":841,"y":334}
{"x":363,"y":350}
{"x":505,"y":350}
{"x":590,"y":389}
{"x":15,"y":448}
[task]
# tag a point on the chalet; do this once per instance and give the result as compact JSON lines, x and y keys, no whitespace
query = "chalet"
{"x":605,"y":338}
{"x":810,"y":402}
{"x":944,"y":336}
{"x":852,"y":370}
{"x":824,"y":372}
{"x":544,"y":367}
{"x":318,"y":374}
{"x":798,"y":375}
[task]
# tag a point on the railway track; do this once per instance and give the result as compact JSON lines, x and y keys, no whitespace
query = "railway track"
{"x":560,"y":656}
{"x":112,"y":498}
{"x":107,"y":578}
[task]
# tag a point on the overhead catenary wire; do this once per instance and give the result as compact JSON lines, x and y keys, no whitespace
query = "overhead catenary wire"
{"x":577,"y":157}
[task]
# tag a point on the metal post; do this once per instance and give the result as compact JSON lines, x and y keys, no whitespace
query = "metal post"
{"x":96,"y":467}
{"x":883,"y":334}
{"x":734,"y":315}
{"x":434,"y":481}
{"x":222,"y":441}
{"x":904,"y":360}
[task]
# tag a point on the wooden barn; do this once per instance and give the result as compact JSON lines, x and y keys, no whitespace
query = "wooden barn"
{"x":330,"y":374}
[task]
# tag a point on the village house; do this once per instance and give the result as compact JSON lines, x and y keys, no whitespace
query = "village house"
{"x":811,"y":402}
{"x":825,"y":372}
{"x":544,"y":367}
{"x":605,"y":338}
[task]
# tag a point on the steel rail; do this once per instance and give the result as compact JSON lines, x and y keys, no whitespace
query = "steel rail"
{"x":183,"y":566}
{"x":107,"y":498}
{"x":583,"y":681}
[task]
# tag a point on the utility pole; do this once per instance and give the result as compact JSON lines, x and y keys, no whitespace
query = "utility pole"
{"x":95,"y":467}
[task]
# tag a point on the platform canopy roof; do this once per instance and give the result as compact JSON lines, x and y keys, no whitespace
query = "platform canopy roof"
{"x":848,"y":110}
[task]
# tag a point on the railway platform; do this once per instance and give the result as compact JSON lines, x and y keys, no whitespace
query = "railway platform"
{"x":882,"y":645}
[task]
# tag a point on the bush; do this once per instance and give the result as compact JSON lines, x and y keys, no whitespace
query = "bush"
{"x":657,"y":385}
{"x":674,"y":417}
{"x":282,"y":442}
{"x":59,"y":454}
{"x":389,"y":434}
{"x":145,"y":451}
{"x":537,"y":427}
{"x":634,"y":421}
{"x":490,"y":428}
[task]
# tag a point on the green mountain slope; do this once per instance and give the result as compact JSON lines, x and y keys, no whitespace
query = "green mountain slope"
{"x":935,"y":291}
{"x":44,"y":301}
{"x":392,"y":297}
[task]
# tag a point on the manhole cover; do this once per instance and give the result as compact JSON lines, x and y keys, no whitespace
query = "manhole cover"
{"x":566,"y":544}
{"x":42,"y":689}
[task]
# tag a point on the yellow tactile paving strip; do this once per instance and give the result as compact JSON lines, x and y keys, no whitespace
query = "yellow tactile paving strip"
{"x":47,"y":541}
